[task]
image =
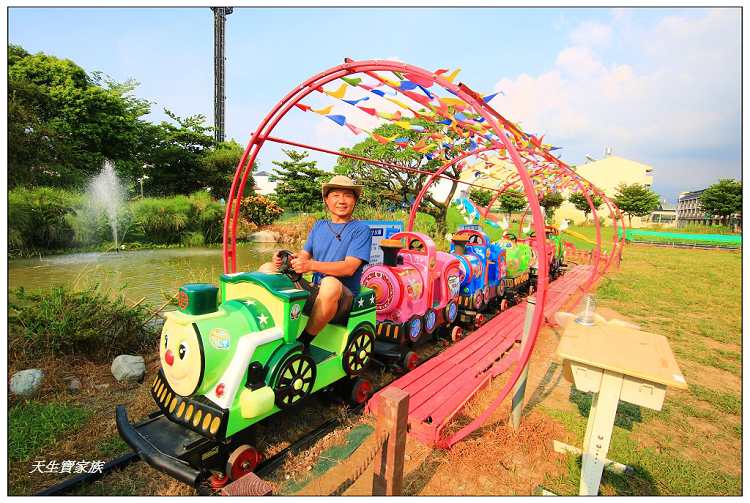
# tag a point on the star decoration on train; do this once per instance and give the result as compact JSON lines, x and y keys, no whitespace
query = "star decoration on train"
{"x":262,"y":319}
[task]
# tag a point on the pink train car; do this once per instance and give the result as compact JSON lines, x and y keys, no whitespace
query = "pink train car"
{"x":416,"y":289}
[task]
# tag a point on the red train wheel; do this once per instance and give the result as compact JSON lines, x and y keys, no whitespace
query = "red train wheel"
{"x":504,"y":305}
{"x":243,"y":460}
{"x":410,"y":361}
{"x":457,"y":333}
{"x":218,"y":480}
{"x":479,"y":320}
{"x":361,"y":391}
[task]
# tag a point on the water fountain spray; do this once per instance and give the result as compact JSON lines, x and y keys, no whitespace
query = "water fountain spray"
{"x":106,"y":192}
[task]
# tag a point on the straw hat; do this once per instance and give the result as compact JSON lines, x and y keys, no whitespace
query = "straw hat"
{"x":342,"y":182}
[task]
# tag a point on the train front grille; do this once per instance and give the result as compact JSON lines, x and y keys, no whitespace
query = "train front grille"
{"x":198,"y":413}
{"x":388,"y":331}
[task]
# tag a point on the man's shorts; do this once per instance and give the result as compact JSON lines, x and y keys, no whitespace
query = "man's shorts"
{"x":345,"y":302}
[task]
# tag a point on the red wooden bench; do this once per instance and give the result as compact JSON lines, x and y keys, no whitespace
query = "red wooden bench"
{"x":439,"y":388}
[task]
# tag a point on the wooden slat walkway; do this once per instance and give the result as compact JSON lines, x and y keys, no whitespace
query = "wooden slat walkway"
{"x":439,"y":388}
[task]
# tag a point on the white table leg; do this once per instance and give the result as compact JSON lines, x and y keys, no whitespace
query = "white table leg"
{"x":599,"y":432}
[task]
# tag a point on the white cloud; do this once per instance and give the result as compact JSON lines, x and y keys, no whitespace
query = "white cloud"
{"x":591,"y":34}
{"x":677,"y":90}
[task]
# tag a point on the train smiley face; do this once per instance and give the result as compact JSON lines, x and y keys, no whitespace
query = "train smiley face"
{"x":180,"y":353}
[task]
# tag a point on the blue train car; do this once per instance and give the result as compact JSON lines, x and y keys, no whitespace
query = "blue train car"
{"x":482,"y":270}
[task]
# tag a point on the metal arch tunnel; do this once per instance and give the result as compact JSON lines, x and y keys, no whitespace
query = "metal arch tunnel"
{"x":498,"y":125}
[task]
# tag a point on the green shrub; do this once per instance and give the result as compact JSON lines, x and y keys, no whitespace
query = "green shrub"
{"x":38,"y":218}
{"x":192,"y":239}
{"x":162,"y":220}
{"x":60,"y":321}
{"x":33,"y":425}
{"x":209,"y":215}
{"x":260,"y":210}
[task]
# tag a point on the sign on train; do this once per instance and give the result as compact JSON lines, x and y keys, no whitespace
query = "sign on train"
{"x":381,"y":229}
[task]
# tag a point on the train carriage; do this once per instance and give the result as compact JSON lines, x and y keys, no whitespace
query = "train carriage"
{"x":226,"y":366}
{"x":415,"y":294}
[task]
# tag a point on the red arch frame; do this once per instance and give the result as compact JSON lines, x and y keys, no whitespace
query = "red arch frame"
{"x":498,"y":126}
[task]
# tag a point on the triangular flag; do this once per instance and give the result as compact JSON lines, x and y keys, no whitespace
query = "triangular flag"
{"x":370,"y":111}
{"x":338,"y":119}
{"x":352,"y":81}
{"x":338,"y":93}
{"x":323,"y":111}
{"x":302,"y":106}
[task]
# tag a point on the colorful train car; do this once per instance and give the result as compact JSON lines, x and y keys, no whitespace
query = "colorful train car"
{"x":226,"y":366}
{"x":415,"y":292}
{"x":483,"y":265}
{"x":517,"y":279}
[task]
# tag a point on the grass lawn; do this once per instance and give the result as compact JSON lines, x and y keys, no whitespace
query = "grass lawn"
{"x":693,"y":445}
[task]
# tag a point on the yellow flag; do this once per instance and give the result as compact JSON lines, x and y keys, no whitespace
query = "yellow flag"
{"x":399,"y":103}
{"x":338,"y":93}
{"x":453,"y":74}
{"x":403,"y":124}
{"x":454,"y":102}
{"x":323,"y":111}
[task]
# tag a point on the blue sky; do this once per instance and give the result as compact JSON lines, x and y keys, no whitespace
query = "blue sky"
{"x":659,"y":86}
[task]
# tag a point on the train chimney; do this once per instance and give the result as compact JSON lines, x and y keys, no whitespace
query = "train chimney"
{"x":390,"y":247}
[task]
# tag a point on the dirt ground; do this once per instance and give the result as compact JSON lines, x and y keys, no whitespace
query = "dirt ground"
{"x":495,"y":460}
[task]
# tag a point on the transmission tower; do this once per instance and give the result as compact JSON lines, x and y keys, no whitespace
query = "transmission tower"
{"x":220,"y":19}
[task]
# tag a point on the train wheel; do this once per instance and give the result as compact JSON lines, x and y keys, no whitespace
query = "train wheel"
{"x":357,"y":352}
{"x":450,"y":313}
{"x":414,"y":328}
{"x":479,"y":320}
{"x":532,"y":289}
{"x":504,"y":304}
{"x":361,"y":391}
{"x":296,"y":380}
{"x":478,"y":300}
{"x":457,"y":333}
{"x":243,"y":460}
{"x":218,"y":480}
{"x":430,"y":321}
{"x":410,"y":361}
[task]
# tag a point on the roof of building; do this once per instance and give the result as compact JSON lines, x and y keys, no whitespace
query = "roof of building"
{"x":691,"y":195}
{"x":615,"y":159}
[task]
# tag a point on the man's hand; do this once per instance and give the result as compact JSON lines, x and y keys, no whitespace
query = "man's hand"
{"x":302,"y":264}
{"x":276,"y":260}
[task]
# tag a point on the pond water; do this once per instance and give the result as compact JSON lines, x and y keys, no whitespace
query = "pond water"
{"x":139,"y":273}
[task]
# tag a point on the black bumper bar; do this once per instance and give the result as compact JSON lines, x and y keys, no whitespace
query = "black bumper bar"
{"x":150,"y":454}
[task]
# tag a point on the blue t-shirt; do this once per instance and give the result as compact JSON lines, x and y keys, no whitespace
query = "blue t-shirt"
{"x":356,"y":241}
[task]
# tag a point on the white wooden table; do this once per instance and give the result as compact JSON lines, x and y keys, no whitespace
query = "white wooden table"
{"x":615,"y":362}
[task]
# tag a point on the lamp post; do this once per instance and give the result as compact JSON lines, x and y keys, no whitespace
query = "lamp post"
{"x":143,"y":179}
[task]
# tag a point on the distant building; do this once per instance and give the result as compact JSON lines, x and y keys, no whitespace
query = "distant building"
{"x":606,"y":174}
{"x":665,"y":215}
{"x":690,"y":211}
{"x":263,"y":184}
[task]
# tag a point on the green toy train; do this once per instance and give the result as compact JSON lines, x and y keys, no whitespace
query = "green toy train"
{"x":226,"y":366}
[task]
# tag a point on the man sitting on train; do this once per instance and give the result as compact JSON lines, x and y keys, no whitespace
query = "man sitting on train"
{"x":336,"y":251}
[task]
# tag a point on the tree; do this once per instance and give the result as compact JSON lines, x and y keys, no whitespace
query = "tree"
{"x":63,"y":123}
{"x":393,"y":184}
{"x":299,"y":183}
{"x":174,"y":155}
{"x":219,"y":166}
{"x":723,"y":198}
{"x":550,"y":202}
{"x":511,"y":200}
{"x":480,"y":196}
{"x":635,"y":200}
{"x":579,"y":201}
